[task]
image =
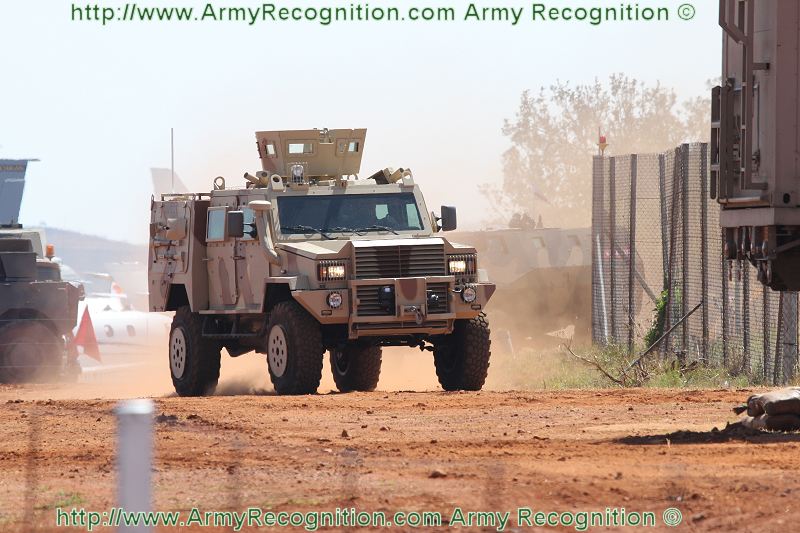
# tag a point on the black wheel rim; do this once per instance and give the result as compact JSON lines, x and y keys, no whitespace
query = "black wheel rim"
{"x":341,"y":361}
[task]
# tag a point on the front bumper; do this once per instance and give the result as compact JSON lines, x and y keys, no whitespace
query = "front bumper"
{"x":424,"y":305}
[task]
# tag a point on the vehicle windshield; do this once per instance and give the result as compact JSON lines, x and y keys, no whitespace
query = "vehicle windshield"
{"x":348,"y":213}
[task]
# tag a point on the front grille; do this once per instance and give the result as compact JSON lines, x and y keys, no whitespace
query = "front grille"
{"x":370,"y":305}
{"x":368,"y":302}
{"x":405,"y":261}
{"x":442,"y":305}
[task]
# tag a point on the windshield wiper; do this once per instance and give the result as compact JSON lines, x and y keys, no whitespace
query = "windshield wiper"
{"x":307,"y":229}
{"x":341,"y":229}
{"x":376,"y":228}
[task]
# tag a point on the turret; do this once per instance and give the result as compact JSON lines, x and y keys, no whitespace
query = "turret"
{"x":300,"y":155}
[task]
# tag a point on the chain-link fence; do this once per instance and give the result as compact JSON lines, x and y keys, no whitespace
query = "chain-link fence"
{"x":656,"y":243}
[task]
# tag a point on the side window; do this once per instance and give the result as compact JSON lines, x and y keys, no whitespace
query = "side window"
{"x":215,"y":224}
{"x":249,"y":223}
{"x":350,"y":147}
{"x":381,"y":211}
{"x":413,"y":216}
{"x":269,"y":147}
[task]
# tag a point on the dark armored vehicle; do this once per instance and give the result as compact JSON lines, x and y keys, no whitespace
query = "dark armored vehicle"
{"x":37,"y":312}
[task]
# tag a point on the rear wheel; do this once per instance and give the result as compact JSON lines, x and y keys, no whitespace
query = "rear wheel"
{"x":356,"y":367}
{"x":29,"y":351}
{"x":294,"y":350}
{"x":193,"y":360}
{"x":462,"y":358}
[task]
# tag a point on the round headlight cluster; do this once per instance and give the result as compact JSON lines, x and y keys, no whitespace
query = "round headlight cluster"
{"x":335,"y":300}
{"x":469,"y":294}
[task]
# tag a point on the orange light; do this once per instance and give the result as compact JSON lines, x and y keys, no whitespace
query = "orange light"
{"x":50,"y":251}
{"x":602,"y":144}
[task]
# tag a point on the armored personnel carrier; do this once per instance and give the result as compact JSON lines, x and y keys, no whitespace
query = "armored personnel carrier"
{"x":37,"y":311}
{"x":308,"y":258}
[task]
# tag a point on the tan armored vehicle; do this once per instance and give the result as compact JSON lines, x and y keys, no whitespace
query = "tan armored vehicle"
{"x":308,"y":258}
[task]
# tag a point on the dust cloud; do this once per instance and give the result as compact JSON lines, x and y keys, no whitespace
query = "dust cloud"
{"x":521,"y":359}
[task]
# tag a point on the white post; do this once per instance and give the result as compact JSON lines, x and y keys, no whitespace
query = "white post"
{"x":602,"y":287}
{"x":134,"y":458}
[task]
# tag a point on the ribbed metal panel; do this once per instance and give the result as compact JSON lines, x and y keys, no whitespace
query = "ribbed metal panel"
{"x":369,"y":305}
{"x":443,"y":304}
{"x":400,"y":261}
{"x":368,"y":301}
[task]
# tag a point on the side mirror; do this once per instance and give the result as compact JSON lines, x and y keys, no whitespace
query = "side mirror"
{"x":235,"y":224}
{"x":449,"y":221}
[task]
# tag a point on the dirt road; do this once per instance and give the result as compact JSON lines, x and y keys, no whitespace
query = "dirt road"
{"x":413,"y":451}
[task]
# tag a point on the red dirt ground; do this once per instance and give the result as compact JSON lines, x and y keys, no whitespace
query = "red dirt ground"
{"x":560,"y":450}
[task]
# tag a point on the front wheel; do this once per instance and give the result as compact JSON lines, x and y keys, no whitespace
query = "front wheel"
{"x":29,"y":351}
{"x":294,"y":350}
{"x":356,"y":367}
{"x":193,"y":360}
{"x":462,"y":358}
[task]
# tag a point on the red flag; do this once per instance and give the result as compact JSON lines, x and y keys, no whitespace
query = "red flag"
{"x":86,"y":338}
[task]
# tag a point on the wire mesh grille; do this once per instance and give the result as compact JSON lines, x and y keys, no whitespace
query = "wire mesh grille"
{"x":656,"y":231}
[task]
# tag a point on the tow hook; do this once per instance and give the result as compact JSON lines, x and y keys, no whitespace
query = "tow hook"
{"x":420,"y":318}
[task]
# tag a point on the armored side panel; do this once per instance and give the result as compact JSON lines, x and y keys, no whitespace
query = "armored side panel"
{"x":755,"y":171}
{"x":17,"y":260}
{"x":177,"y":253}
{"x":329,"y":153}
{"x":36,"y":237}
{"x":12,"y":184}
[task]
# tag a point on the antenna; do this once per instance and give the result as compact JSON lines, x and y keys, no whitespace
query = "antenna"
{"x":172,"y":156}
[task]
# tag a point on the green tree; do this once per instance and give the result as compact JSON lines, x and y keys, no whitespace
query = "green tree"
{"x":548,"y":168}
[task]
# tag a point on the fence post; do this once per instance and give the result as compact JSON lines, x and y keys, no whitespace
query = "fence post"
{"x":789,"y":348}
{"x":766,"y":327}
{"x":704,"y":243}
{"x":726,"y":272}
{"x":632,"y":255}
{"x":745,"y":274}
{"x":134,"y":458}
{"x":662,"y":190}
{"x":612,"y":245}
{"x":599,"y":313}
{"x":667,"y":344}
{"x":685,"y":244}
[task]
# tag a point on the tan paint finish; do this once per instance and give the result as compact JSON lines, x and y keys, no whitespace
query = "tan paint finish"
{"x":232,"y":276}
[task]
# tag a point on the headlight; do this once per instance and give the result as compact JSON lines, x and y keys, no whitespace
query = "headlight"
{"x":462,"y":264}
{"x":457,"y":266}
{"x":469,"y":294}
{"x":335,"y":300}
{"x":331,"y":271}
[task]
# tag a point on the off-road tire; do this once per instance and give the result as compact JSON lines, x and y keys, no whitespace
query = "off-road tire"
{"x":200,"y":367}
{"x":462,"y":358}
{"x":302,"y":350}
{"x":356,"y":368}
{"x":29,"y":351}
